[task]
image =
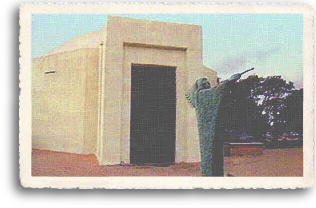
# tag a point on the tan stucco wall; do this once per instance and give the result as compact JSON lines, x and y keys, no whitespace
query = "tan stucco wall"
{"x":64,"y":103}
{"x":91,"y":101}
{"x":74,"y":110}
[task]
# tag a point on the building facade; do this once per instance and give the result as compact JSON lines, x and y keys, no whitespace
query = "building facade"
{"x":120,"y":93}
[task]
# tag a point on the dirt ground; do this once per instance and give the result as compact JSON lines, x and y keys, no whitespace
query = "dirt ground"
{"x":273,"y":162}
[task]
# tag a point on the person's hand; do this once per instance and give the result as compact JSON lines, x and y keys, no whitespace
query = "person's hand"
{"x":235,"y":77}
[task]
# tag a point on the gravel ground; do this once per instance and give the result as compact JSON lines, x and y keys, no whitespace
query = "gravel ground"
{"x":273,"y":162}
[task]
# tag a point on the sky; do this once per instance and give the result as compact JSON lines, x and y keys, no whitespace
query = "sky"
{"x":272,"y":43}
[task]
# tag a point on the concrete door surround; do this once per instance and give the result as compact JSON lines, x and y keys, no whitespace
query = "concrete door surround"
{"x":154,"y":43}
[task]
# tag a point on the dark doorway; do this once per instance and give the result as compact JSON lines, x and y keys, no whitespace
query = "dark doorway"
{"x":153,"y":114}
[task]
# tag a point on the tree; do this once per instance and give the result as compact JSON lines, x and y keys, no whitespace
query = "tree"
{"x":240,"y":113}
{"x":294,"y":112}
{"x":256,"y":105}
{"x":273,"y":90}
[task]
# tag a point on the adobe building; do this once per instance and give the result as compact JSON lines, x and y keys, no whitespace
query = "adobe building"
{"x":120,"y":93}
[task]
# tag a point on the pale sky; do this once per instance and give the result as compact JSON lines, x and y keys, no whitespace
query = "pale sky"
{"x":272,"y":43}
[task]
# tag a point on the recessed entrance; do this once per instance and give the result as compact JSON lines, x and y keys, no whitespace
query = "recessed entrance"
{"x":153,"y":114}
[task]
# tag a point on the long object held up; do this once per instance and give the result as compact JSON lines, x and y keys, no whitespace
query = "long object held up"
{"x":247,"y":70}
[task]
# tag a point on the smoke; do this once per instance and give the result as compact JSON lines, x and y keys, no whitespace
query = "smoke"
{"x":260,"y":59}
{"x":262,"y":55}
{"x":233,"y":64}
{"x":239,"y":62}
{"x":298,"y":84}
{"x":296,"y":76}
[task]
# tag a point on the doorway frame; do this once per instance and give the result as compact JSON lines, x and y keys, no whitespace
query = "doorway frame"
{"x":129,"y":41}
{"x":173,"y":148}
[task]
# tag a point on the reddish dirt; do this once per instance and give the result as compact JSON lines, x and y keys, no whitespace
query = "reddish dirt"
{"x":280,"y":162}
{"x":273,"y":162}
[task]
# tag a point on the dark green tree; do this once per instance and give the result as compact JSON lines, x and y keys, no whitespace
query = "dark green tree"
{"x":274,"y":90}
{"x":256,"y":105}
{"x":240,"y":113}
{"x":294,"y":112}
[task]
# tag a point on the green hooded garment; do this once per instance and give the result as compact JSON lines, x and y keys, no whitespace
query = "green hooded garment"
{"x":207,"y":100}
